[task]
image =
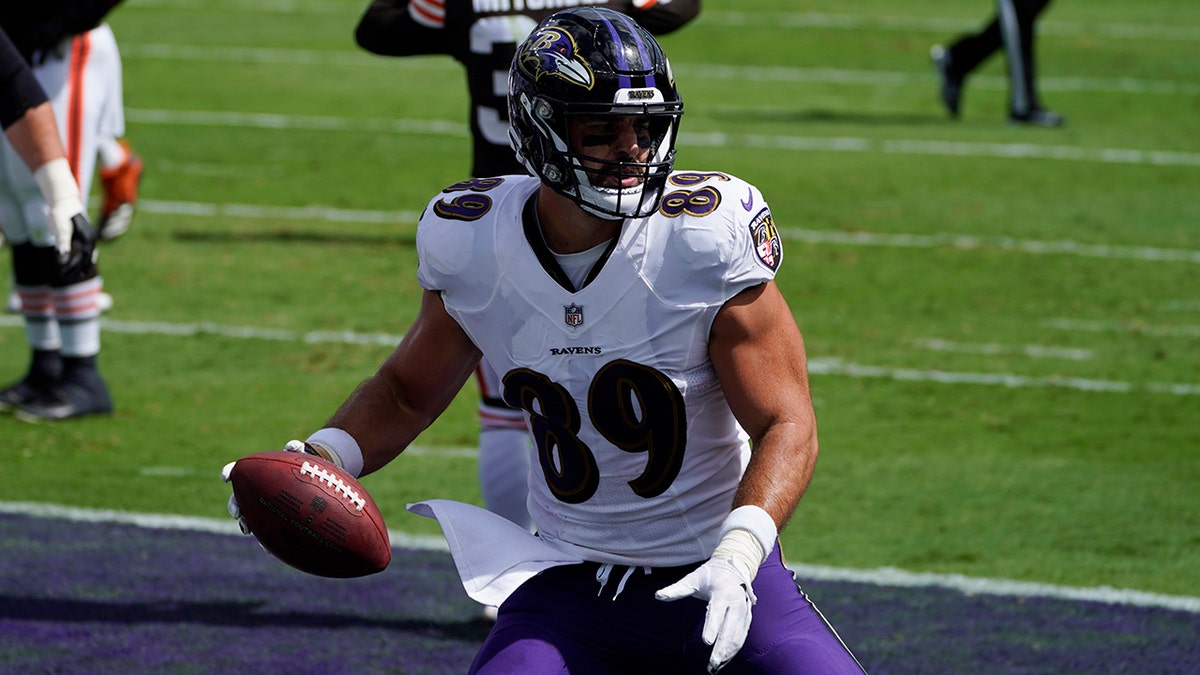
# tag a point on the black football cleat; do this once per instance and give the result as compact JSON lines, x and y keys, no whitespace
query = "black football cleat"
{"x":120,"y":186}
{"x":951,"y":89}
{"x":1038,"y":117}
{"x":45,"y":368}
{"x":77,"y":394}
{"x":21,"y":393}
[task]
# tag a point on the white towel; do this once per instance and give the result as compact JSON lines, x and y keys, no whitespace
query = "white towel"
{"x":493,"y":555}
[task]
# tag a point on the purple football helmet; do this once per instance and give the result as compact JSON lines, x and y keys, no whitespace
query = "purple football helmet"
{"x":592,"y":62}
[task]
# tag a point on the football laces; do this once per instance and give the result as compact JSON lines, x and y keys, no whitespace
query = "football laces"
{"x":339,"y":486}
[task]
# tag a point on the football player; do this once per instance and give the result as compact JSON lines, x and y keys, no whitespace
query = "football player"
{"x":1013,"y":29}
{"x":27,"y":119}
{"x":633,"y":314}
{"x":483,"y":37}
{"x":74,"y":57}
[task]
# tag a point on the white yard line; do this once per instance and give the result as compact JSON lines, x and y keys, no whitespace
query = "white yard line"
{"x":1094,"y":326}
{"x":965,"y":242}
{"x":948,"y":25}
{"x":890,"y":576}
{"x":836,"y":366}
{"x":943,"y":148}
{"x":212,"y":118}
{"x":992,"y":348}
{"x":814,"y":20}
{"x":694,"y":72}
{"x":712,"y":140}
{"x":816,"y":366}
{"x":699,"y":72}
{"x":884,"y":576}
{"x":969,"y":242}
{"x":314,"y":212}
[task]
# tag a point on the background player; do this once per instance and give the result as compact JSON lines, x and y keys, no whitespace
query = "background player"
{"x":75,"y":59}
{"x":484,"y":41}
{"x":1013,"y":29}
{"x":27,"y":119}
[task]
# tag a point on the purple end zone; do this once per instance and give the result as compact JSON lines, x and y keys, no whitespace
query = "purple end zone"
{"x":105,"y":598}
{"x":97,"y":598}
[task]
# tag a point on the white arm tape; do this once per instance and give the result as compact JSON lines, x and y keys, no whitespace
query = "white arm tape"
{"x":754,"y":521}
{"x":343,"y":444}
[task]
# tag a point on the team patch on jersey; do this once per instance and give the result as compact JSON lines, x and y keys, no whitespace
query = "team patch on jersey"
{"x":573,"y":315}
{"x":768,"y":245}
{"x":552,"y":52}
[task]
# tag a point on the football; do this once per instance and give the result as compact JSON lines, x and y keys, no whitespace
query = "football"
{"x":311,"y":514}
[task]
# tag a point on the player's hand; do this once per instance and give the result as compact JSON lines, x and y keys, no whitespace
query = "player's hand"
{"x":62,"y":223}
{"x":68,"y":219}
{"x":235,"y":511}
{"x":727,"y":588}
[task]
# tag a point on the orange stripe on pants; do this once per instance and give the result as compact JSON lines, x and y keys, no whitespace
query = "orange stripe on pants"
{"x":81,"y":47}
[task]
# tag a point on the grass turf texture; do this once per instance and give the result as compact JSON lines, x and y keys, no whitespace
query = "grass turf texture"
{"x":1039,"y":482}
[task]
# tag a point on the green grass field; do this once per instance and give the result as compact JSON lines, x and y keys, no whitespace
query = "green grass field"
{"x":1003,"y":322}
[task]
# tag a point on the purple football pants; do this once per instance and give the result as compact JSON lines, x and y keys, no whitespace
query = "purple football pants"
{"x":565,"y":620}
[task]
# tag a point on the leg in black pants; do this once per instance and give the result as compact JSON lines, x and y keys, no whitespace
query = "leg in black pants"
{"x":1012,"y":28}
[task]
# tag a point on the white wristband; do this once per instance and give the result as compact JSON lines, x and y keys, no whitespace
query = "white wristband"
{"x":343,"y":445}
{"x":755,"y":522}
{"x":58,"y":185}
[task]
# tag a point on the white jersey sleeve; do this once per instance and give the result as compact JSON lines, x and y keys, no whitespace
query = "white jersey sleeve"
{"x":459,"y":243}
{"x":636,"y":453}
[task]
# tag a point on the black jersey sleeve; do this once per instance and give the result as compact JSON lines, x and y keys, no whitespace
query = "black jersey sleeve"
{"x":386,"y":28}
{"x":19,"y":90}
{"x":662,"y":18}
{"x":38,"y":26}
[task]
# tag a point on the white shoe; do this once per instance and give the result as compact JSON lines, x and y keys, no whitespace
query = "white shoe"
{"x":116,"y":223}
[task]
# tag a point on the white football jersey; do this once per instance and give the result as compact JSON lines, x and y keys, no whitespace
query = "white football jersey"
{"x":638,"y":454}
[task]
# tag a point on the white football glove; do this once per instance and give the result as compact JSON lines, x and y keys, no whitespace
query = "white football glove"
{"x":61,"y":192}
{"x":726,"y":582}
{"x":727,"y":588}
{"x":235,"y":511}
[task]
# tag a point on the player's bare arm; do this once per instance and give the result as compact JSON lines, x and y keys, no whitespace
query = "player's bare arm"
{"x":758,"y":354}
{"x":412,"y":387}
{"x":35,"y":136}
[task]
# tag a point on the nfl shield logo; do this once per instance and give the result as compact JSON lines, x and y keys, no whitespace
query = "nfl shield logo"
{"x":573,"y":315}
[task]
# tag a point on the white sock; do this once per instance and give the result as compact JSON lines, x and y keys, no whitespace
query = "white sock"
{"x":41,"y":326}
{"x":78,"y":314}
{"x":112,"y":154}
